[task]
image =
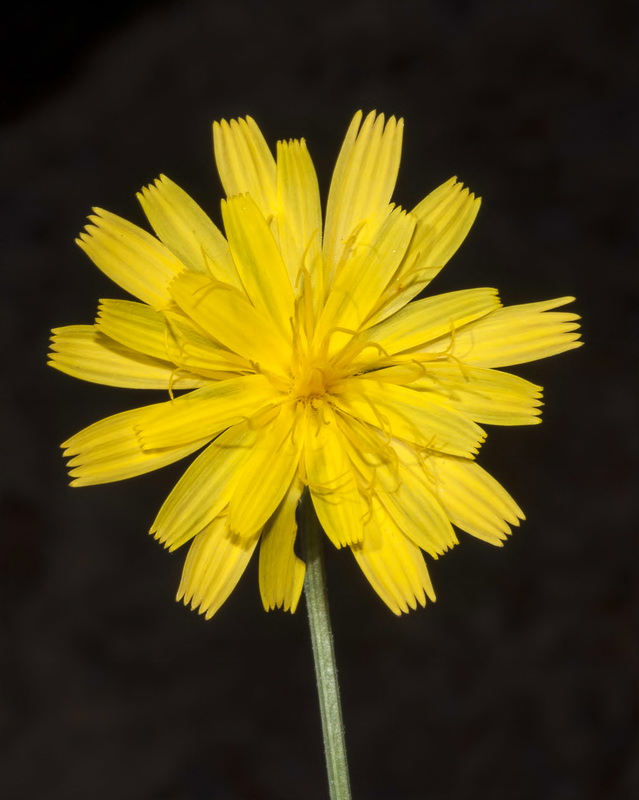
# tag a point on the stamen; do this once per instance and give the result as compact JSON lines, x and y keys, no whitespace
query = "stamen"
{"x":356,"y":346}
{"x":429,"y":449}
{"x":295,"y":338}
{"x":384,"y":424}
{"x":368,"y":502}
{"x":379,"y":455}
{"x":295,"y":425}
{"x":171,"y":381}
{"x":401,"y":284}
{"x":303,"y":271}
{"x":172,"y":329}
{"x":208,"y":263}
{"x":349,"y":246}
{"x":262,"y":417}
{"x":216,"y":283}
{"x":324,"y":346}
{"x":278,"y":382}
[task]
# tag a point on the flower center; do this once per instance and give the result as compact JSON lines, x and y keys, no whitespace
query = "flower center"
{"x":310,"y":383}
{"x":312,"y":380}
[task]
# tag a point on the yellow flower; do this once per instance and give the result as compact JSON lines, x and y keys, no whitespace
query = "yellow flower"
{"x":306,"y":365}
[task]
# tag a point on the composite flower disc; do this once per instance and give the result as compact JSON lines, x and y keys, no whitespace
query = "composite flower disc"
{"x":295,"y":356}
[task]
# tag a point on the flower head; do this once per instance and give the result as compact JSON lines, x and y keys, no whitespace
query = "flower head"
{"x":293,"y":355}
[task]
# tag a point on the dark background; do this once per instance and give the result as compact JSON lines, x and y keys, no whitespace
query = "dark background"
{"x":520,"y":682}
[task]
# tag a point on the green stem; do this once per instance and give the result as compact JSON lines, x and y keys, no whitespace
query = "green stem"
{"x":323,"y":652}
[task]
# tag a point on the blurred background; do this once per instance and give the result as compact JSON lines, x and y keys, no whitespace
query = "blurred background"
{"x":521,"y":681}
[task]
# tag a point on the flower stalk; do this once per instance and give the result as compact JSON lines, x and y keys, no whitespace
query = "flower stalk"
{"x":323,"y":652}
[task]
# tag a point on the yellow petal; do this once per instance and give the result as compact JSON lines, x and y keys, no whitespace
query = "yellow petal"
{"x":362,"y":185}
{"x":361,"y":278}
{"x":393,"y":565}
{"x":131,"y":257}
{"x":205,"y":488}
{"x":258,"y":260}
{"x":214,"y":564}
{"x":331,"y":480}
{"x":431,"y":318}
{"x":194,"y":350}
{"x":397,"y":477}
{"x":187,"y":231}
{"x":245,"y":162}
{"x":474,"y":500}
{"x":419,"y":417}
{"x":265,"y":477}
{"x":486,"y":395}
{"x":413,"y":505}
{"x":231,"y":319}
{"x":299,"y":215}
{"x":109,"y":450}
{"x":135,"y":325}
{"x":170,"y":336}
{"x":443,"y":220}
{"x":205,"y":412}
{"x":513,"y":335}
{"x":86,"y":353}
{"x":281,"y":572}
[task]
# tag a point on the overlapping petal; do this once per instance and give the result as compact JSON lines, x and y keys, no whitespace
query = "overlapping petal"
{"x":281,"y":572}
{"x":397,"y":476}
{"x":474,"y":500}
{"x":410,"y":500}
{"x":393,"y":565}
{"x":258,"y":260}
{"x":206,"y":487}
{"x":245,"y":162}
{"x":205,"y":412}
{"x":130,"y":256}
{"x":136,"y":325}
{"x":485,"y":395}
{"x":332,"y":481}
{"x":358,"y":282}
{"x":231,"y":320}
{"x":187,"y":231}
{"x":429,"y":319}
{"x":299,"y":213}
{"x":361,"y":188}
{"x":84,"y":352}
{"x":171,"y":335}
{"x":420,"y":417}
{"x":110,"y":450}
{"x":215,"y":562}
{"x":443,"y":220}
{"x":264,"y":478}
{"x":513,"y":335}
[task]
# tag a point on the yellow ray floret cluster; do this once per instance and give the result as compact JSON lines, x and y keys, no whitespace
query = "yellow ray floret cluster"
{"x":292,"y":353}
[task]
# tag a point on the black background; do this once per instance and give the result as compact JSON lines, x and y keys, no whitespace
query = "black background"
{"x":520,"y":682}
